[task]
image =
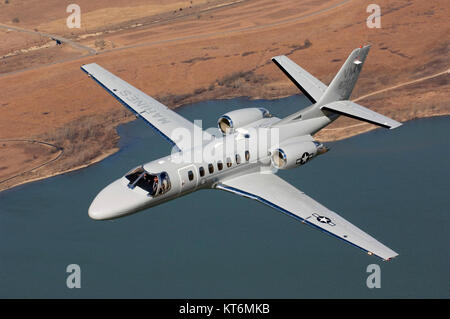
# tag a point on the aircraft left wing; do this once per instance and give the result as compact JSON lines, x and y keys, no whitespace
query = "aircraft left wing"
{"x":156,"y":114}
{"x":273,"y":191}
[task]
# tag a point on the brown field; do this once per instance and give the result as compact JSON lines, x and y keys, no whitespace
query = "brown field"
{"x":186,"y":51}
{"x":29,"y":154}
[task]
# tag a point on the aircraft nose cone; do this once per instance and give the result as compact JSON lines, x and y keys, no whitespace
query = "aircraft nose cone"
{"x":95,"y":210}
{"x":116,"y":200}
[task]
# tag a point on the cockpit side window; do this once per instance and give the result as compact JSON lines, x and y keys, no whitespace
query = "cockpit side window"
{"x":134,"y":174}
{"x":154,"y":184}
{"x":164,"y":183}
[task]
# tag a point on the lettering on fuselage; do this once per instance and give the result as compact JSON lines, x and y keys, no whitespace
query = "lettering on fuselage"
{"x":143,"y":106}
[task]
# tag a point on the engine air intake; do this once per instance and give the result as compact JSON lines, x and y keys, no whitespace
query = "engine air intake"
{"x":230,"y":121}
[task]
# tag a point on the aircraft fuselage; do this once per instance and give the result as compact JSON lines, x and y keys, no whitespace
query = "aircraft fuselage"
{"x":246,"y":150}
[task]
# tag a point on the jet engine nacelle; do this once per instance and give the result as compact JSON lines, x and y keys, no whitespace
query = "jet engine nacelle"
{"x":294,"y":154}
{"x":230,"y":121}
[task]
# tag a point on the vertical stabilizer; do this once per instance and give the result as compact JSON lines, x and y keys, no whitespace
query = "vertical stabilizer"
{"x":343,"y":83}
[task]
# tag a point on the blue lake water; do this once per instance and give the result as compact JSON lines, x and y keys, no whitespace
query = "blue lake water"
{"x":212,"y":244}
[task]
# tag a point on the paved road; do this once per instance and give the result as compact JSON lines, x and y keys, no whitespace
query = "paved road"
{"x":54,"y":37}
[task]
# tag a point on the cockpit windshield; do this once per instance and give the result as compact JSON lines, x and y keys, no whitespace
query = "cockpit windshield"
{"x":154,"y":184}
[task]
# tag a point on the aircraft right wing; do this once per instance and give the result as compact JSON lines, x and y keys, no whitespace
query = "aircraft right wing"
{"x":157,"y":115}
{"x":273,"y":191}
{"x":310,"y":86}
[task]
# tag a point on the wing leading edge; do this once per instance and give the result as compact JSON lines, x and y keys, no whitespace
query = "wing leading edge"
{"x":273,"y":191}
{"x":156,"y":114}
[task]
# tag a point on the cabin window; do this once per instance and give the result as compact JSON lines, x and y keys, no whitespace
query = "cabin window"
{"x":201,"y":170}
{"x":219,"y":165}
{"x":247,"y":156}
{"x":191,"y":175}
{"x":229,"y":163}
{"x":210,"y":168}
{"x":238,"y":159}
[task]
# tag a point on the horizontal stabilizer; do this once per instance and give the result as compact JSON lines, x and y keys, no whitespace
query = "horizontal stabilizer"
{"x":310,"y":86}
{"x":356,"y":111}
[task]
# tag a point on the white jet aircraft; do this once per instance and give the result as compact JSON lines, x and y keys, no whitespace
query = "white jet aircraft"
{"x":242,"y":169}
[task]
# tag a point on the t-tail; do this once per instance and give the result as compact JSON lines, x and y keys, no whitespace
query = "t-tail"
{"x":332,"y":99}
{"x":341,"y":87}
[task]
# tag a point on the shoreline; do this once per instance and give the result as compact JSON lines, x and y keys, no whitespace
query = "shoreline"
{"x":95,"y":160}
{"x":367,"y":128}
